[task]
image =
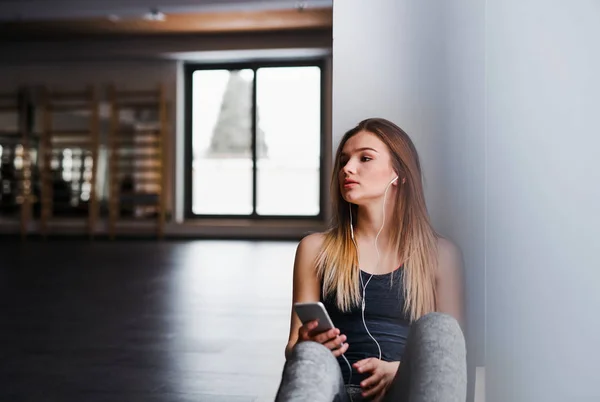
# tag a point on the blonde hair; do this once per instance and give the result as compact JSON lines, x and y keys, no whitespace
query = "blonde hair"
{"x":415,"y":241}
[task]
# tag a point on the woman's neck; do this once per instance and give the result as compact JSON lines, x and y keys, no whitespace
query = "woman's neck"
{"x":370,"y":220}
{"x":376,"y":253}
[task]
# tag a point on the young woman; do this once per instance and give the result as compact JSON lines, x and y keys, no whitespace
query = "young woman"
{"x":392,"y":287}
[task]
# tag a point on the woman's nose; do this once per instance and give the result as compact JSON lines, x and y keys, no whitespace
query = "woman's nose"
{"x":349,"y":168}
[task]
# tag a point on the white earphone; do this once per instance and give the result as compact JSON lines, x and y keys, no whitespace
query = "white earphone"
{"x":364,"y":286}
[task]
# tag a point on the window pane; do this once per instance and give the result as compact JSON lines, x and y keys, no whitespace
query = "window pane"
{"x":288,"y":140}
{"x":222,"y":142}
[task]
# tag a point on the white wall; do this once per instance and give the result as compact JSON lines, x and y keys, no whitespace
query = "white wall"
{"x":507,"y":143}
{"x":543,"y":200}
{"x":404,"y":61}
{"x":463,"y":174}
{"x":385,"y":42}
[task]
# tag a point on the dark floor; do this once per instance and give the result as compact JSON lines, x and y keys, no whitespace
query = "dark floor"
{"x":143,"y":320}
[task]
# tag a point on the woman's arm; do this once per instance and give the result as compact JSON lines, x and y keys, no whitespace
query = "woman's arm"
{"x":450,"y":281}
{"x":306,"y":287}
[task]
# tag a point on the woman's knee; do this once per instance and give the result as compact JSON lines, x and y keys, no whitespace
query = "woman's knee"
{"x":439,"y":325}
{"x":311,"y":373}
{"x":312,"y":351}
{"x":437,"y":320}
{"x":436,"y":359}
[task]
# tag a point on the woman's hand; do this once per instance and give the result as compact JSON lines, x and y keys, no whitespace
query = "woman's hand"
{"x":331,"y":339}
{"x":382,"y":375}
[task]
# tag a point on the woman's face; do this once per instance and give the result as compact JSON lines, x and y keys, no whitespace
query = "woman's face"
{"x":365,"y":168}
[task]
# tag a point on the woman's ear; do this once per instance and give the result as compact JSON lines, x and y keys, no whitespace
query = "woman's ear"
{"x":397,"y":179}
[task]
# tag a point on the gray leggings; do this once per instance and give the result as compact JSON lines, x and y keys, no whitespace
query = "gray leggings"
{"x":433,"y":368}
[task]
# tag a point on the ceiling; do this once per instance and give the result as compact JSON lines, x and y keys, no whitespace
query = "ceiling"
{"x":35,"y":10}
{"x":50,"y":19}
{"x":168,"y":24}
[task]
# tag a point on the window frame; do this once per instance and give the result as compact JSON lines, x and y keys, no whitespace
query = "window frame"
{"x":189,"y":69}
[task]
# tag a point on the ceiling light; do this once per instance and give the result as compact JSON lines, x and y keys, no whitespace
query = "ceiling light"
{"x":154,"y":15}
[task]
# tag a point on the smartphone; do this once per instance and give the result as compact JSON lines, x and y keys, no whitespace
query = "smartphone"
{"x":310,"y":311}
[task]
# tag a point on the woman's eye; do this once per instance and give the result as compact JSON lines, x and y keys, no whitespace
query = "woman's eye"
{"x":365,"y":159}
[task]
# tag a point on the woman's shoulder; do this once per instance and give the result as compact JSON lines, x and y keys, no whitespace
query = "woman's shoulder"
{"x":311,"y":244}
{"x":449,"y":257}
{"x":446,"y":246}
{"x":307,"y":255}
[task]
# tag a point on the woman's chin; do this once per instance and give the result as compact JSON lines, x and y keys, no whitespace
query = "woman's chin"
{"x":351,"y":197}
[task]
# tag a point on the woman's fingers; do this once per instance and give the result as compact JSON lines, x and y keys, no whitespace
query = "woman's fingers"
{"x":304,"y":331}
{"x":326,"y":336}
{"x":341,"y":350}
{"x":366,"y":365}
{"x":371,"y":380}
{"x":331,"y":339}
{"x":335,"y":342}
{"x":376,"y":389}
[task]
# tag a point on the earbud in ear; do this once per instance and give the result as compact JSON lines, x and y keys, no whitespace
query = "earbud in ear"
{"x":351,"y":226}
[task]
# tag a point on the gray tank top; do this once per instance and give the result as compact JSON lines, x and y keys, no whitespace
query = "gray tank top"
{"x":384,"y":318}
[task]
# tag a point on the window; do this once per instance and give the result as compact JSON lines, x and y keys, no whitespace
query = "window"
{"x":254,"y":140}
